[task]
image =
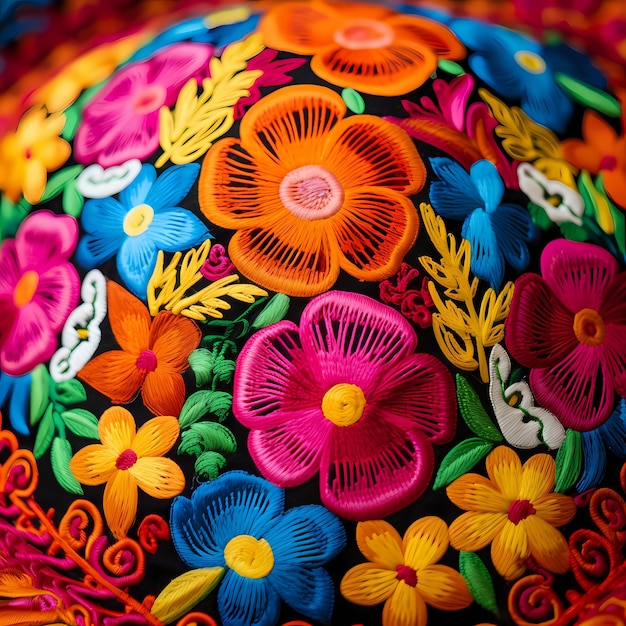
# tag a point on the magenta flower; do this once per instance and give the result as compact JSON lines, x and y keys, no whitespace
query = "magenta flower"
{"x":122,"y":121}
{"x":345,"y":395}
{"x":38,"y":289}
{"x":569,"y":326}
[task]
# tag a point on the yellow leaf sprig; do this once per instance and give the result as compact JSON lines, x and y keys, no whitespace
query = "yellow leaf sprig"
{"x":170,"y":287}
{"x":198,"y":120}
{"x":463,"y":330}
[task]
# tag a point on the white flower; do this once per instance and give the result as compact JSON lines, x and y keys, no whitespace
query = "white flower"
{"x":95,"y":182}
{"x":81,"y":333}
{"x":560,"y":202}
{"x":523,"y":424}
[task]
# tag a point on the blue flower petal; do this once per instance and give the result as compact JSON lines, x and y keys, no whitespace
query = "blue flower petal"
{"x":594,"y":460}
{"x":502,"y":75}
{"x":103,"y":217}
{"x":514,"y":228}
{"x":488,"y":182}
{"x":177,"y":229}
{"x":247,"y":601}
{"x":93,"y":250}
{"x":546,"y":104}
{"x":135,"y":263}
{"x":6,"y":386}
{"x":614,"y":430}
{"x":562,"y":58}
{"x":172,"y":186}
{"x":453,"y":196}
{"x":137,"y":192}
{"x":19,"y":407}
{"x":486,"y":260}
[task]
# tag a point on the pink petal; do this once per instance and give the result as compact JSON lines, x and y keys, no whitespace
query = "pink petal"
{"x":10,"y":270}
{"x":613,"y":312}
{"x":58,"y":293}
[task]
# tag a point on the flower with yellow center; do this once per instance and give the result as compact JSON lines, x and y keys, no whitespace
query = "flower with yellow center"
{"x":128,"y":460}
{"x":28,"y":154}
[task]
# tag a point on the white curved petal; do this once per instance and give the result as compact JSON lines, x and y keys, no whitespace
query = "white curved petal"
{"x":96,"y":182}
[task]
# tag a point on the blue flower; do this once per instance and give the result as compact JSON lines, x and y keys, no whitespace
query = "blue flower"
{"x":519,"y":67}
{"x":496,"y":232}
{"x":15,"y":393}
{"x":238,"y":522}
{"x":141,"y":222}
{"x":611,"y":434}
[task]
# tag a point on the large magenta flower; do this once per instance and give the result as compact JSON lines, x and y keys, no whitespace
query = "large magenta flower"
{"x":122,"y":121}
{"x":345,"y":395}
{"x":569,"y":326}
{"x":38,"y":289}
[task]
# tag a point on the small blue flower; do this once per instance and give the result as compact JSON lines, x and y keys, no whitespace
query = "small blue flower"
{"x":15,"y":394}
{"x":144,"y":220}
{"x":496,"y":232}
{"x":238,"y":522}
{"x":519,"y":67}
{"x":611,"y":434}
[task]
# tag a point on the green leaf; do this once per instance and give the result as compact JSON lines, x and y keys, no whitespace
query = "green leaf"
{"x":11,"y":216}
{"x":81,"y":422}
{"x":224,"y":370}
{"x":185,"y":592}
{"x":274,"y":311}
{"x":73,"y":200}
{"x":569,"y":461}
{"x":573,"y":232}
{"x":200,"y":403}
{"x":588,"y":95}
{"x":45,"y":433}
{"x":354,"y":100}
{"x":39,"y":390}
{"x":58,"y":181}
{"x":450,"y":67}
{"x":462,"y":458}
{"x":209,"y":464}
{"x":202,"y":362}
{"x":204,"y":436}
{"x":479,"y":581}
{"x":72,"y":117}
{"x":70,"y":392}
{"x":539,"y":216}
{"x":620,"y":228}
{"x":60,"y":457}
{"x":473,"y":412}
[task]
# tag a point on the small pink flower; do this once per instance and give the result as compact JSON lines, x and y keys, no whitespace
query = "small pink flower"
{"x":218,"y":264}
{"x":38,"y":289}
{"x":122,"y":121}
{"x":346,"y":396}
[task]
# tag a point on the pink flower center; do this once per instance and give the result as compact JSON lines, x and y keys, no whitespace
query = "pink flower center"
{"x":151,"y":98}
{"x":147,"y":360}
{"x":364,"y":34}
{"x":407,"y":574}
{"x":26,"y":288}
{"x":126,"y":460}
{"x":520,"y":510}
{"x":589,"y":327}
{"x":608,"y":163}
{"x":311,"y":192}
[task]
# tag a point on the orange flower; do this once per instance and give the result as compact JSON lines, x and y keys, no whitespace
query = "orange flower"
{"x":153,"y":355}
{"x":310,"y":192}
{"x":370,"y":48}
{"x":128,"y":459}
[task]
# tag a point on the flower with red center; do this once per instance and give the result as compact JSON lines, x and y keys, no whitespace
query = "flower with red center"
{"x":39,"y":288}
{"x":310,"y":192}
{"x":369,"y":48}
{"x":404,"y":573}
{"x":514,"y":510}
{"x":569,"y":326}
{"x":153,"y":356}
{"x":346,"y":396}
{"x":127,"y":460}
{"x":122,"y":121}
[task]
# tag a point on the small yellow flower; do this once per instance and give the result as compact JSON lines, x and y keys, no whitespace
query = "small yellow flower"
{"x":127,"y":459}
{"x":28,"y":154}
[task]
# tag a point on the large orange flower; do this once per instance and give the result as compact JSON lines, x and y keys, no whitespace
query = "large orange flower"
{"x":310,"y":192}
{"x":153,"y":355}
{"x":370,"y":48}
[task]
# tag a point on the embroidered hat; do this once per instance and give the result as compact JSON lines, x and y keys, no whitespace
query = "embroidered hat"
{"x":312,"y":312}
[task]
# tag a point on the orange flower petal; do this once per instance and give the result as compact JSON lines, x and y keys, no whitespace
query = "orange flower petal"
{"x":375,"y":228}
{"x":555,"y":508}
{"x":158,"y":477}
{"x":538,"y":475}
{"x":120,"y":503}
{"x":172,"y":339}
{"x":114,"y":374}
{"x":505,"y":470}
{"x":547,"y":545}
{"x":440,"y":39}
{"x":129,"y":318}
{"x":163,"y":393}
{"x":368,"y":585}
{"x":425,"y":542}
{"x":443,"y":588}
{"x":473,"y":492}
{"x":510,"y":549}
{"x":94,"y":464}
{"x":406,"y":607}
{"x":615,"y":182}
{"x":473,"y":531}
{"x":34,"y":181}
{"x":117,"y":429}
{"x":156,"y":437}
{"x":380,"y":543}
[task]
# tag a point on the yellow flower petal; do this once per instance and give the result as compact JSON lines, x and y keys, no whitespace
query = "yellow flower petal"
{"x":444,"y":588}
{"x":505,"y":470}
{"x":406,"y":607}
{"x":538,"y":476}
{"x":380,"y":543}
{"x":473,"y":531}
{"x":158,"y":477}
{"x":473,"y":492}
{"x":510,"y":549}
{"x":425,"y":541}
{"x":93,"y":464}
{"x":34,"y":182}
{"x":547,"y":545}
{"x":117,"y":429}
{"x":368,"y":585}
{"x":555,"y":508}
{"x":156,"y":436}
{"x":120,"y":503}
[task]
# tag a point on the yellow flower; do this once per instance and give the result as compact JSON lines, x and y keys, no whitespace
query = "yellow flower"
{"x":127,"y":459}
{"x":404,"y":573}
{"x":515,"y":511}
{"x":28,"y":154}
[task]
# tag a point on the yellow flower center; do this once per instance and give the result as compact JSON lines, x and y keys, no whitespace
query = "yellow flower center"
{"x":249,"y":557}
{"x":530,"y":61}
{"x":343,"y":404}
{"x":138,"y":219}
{"x":311,"y":192}
{"x":82,"y":333}
{"x":589,"y":327}
{"x":364,"y":34}
{"x":26,"y":288}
